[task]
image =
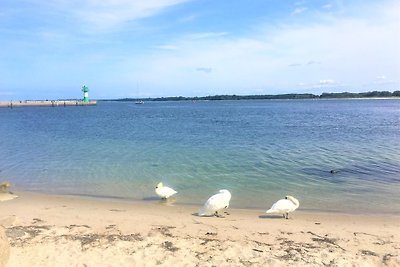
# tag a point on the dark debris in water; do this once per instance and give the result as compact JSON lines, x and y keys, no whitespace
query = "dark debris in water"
{"x":366,"y":171}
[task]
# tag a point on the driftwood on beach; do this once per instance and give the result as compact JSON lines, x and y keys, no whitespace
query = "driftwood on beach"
{"x":4,"y":187}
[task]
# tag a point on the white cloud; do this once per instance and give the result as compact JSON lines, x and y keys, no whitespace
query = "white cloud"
{"x":351,"y":49}
{"x":205,"y":35}
{"x":312,"y":62}
{"x":299,"y":10}
{"x":327,"y":82}
{"x":167,"y":47}
{"x":383,"y":80}
{"x":205,"y":70}
{"x":189,"y":18}
{"x":104,"y":15}
{"x":327,"y":6}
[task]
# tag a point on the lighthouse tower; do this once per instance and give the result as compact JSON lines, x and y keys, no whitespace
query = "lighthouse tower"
{"x":85,"y":91}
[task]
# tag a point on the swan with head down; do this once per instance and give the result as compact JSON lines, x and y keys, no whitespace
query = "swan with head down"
{"x":215,"y":203}
{"x":285,"y":206}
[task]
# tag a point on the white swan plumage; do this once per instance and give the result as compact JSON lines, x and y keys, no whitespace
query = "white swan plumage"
{"x":285,"y":206}
{"x":164,"y":192}
{"x":215,"y":203}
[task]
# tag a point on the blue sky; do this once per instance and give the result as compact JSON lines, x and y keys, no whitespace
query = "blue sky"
{"x":152,"y":48}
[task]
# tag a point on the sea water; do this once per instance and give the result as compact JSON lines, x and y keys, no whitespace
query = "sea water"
{"x":259,"y":150}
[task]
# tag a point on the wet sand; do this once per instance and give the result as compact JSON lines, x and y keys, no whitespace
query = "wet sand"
{"x":49,"y":230}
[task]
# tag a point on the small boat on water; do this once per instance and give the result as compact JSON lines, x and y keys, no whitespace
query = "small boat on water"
{"x":140,"y":102}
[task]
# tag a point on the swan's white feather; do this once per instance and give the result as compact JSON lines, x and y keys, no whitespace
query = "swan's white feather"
{"x":215,"y":203}
{"x":284,"y":206}
{"x":164,"y":191}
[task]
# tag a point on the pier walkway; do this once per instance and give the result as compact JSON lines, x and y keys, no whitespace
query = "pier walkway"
{"x":45,"y":103}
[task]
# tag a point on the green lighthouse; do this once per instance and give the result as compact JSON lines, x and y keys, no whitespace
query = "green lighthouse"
{"x":85,"y":91}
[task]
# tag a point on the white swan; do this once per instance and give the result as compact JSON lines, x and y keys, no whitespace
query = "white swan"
{"x":215,"y":203}
{"x":164,"y":191}
{"x":284,"y":206}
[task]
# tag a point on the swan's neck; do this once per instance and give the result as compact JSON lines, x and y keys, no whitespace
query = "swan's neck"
{"x":295,"y":202}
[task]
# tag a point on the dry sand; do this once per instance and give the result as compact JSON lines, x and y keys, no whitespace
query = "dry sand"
{"x":46,"y":230}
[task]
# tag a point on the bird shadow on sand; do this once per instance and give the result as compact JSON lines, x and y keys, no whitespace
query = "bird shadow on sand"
{"x":166,"y":202}
{"x":271,"y":217}
{"x":208,"y":216}
{"x":151,"y":198}
{"x":197,"y":215}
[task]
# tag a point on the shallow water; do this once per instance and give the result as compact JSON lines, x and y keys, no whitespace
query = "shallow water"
{"x":259,"y":150}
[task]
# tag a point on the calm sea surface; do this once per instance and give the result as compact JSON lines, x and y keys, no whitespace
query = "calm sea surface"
{"x":259,"y":150}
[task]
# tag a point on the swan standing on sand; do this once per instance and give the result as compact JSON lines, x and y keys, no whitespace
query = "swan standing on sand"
{"x":164,"y":192}
{"x":215,"y":203}
{"x":284,"y":206}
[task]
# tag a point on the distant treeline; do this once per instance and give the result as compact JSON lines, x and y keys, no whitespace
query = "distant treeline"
{"x":280,"y":96}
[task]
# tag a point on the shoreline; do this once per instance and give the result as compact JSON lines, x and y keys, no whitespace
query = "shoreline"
{"x":255,"y":99}
{"x":54,"y":230}
{"x":173,"y":201}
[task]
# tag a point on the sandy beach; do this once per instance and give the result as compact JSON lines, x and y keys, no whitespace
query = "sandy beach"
{"x":49,"y":230}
